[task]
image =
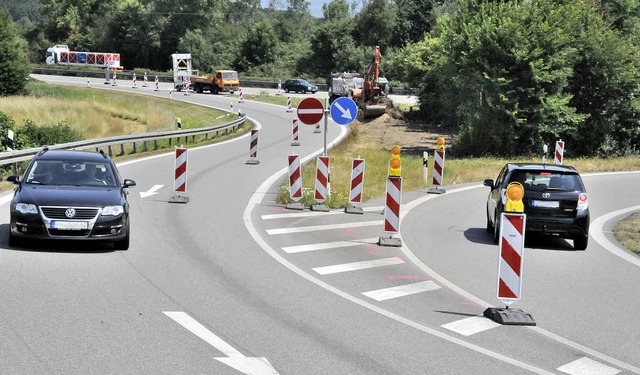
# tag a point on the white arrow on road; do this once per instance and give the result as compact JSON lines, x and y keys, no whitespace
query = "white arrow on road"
{"x":150,"y":192}
{"x":346,"y":113}
{"x":235,"y":359}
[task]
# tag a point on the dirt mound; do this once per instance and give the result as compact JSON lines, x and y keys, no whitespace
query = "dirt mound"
{"x":392,"y":128}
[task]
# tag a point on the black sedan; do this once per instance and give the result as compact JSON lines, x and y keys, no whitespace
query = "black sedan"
{"x":299,"y":85}
{"x":555,"y":201}
{"x":70,"y":195}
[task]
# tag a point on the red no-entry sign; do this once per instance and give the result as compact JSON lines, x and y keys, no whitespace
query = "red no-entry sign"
{"x":310,"y":111}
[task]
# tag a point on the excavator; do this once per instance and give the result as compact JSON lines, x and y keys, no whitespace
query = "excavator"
{"x":371,"y":98}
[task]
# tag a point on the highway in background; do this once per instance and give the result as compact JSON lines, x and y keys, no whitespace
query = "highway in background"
{"x":234,"y":283}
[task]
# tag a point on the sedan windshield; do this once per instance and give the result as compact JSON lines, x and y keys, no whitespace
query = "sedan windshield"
{"x":76,"y":173}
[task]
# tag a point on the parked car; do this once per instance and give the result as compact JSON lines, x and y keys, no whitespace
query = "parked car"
{"x":70,"y":195}
{"x":555,"y":201}
{"x":299,"y":85}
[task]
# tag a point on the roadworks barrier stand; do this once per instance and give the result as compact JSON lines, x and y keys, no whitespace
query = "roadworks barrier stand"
{"x":357,"y":187}
{"x":510,"y":264}
{"x":295,"y":183}
{"x":321,"y":186}
{"x":253,"y":148}
{"x":180,"y":177}
{"x":438,"y":169}
{"x":294,"y":133}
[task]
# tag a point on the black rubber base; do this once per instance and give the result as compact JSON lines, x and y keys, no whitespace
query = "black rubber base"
{"x":514,"y":317}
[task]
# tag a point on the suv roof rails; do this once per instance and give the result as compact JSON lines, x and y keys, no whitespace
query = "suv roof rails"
{"x":44,"y":149}
{"x":103,"y":154}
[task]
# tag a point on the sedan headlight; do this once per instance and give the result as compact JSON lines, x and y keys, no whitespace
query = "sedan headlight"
{"x":26,"y":208}
{"x":112,"y":211}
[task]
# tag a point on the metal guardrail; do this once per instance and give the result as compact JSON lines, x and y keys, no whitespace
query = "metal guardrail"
{"x":22,"y":155}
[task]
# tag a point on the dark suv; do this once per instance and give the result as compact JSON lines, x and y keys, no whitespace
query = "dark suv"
{"x":555,"y":201}
{"x":299,"y":85}
{"x":70,"y":195}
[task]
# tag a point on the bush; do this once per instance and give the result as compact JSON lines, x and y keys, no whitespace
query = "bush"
{"x":32,"y":135}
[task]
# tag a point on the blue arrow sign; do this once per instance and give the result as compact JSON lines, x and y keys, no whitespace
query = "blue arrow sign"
{"x":343,"y":111}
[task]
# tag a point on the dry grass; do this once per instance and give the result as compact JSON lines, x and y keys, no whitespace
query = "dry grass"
{"x":627,"y":232}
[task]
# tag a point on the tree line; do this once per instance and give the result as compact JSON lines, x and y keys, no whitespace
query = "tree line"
{"x":505,"y":77}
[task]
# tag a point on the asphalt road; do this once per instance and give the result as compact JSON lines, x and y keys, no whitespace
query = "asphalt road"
{"x":234,"y":283}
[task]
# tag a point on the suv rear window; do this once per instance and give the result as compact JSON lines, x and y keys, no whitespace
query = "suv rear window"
{"x":547,"y":181}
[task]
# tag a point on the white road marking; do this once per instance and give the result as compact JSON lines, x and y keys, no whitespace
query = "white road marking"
{"x":402,"y":290}
{"x":235,"y":359}
{"x":327,"y":245}
{"x":587,"y":366}
{"x":150,"y":192}
{"x":346,"y":267}
{"x":314,"y":228}
{"x":598,"y":235}
{"x":315,"y":213}
{"x":471,"y":326}
{"x":256,"y":200}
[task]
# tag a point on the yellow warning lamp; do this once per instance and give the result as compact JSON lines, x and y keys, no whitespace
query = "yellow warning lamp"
{"x":440,"y":144}
{"x":515,"y":193}
{"x":395,"y":162}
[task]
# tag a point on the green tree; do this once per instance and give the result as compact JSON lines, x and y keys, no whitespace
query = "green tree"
{"x":375,"y":23}
{"x":14,"y":64}
{"x":414,"y":20}
{"x":259,"y":46}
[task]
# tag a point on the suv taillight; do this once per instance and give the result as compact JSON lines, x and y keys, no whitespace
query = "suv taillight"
{"x":583,"y":202}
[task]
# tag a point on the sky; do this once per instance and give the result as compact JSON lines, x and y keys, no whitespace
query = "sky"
{"x":315,"y":6}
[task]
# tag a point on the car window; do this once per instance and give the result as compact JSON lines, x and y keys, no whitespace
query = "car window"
{"x":78,"y":173}
{"x":544,"y":181}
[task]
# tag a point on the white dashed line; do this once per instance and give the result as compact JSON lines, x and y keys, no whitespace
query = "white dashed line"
{"x":402,"y":290}
{"x":328,"y":245}
{"x":471,"y":326}
{"x":587,"y":366}
{"x":314,"y":228}
{"x":346,"y":267}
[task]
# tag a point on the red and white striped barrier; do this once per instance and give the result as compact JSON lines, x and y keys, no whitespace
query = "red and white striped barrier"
{"x":289,"y":109}
{"x":253,"y":148}
{"x":241,"y":99}
{"x":559,"y":152}
{"x":113,"y":83}
{"x":180,"y":176}
{"x":156,"y":83}
{"x":294,"y":133}
{"x":322,"y":178}
{"x":438,"y":173}
{"x":392,"y":212}
{"x":295,"y":182}
{"x":185,"y":83}
{"x":357,"y":186}
{"x":145,"y":80}
{"x":135,"y":85}
{"x":512,"y":229}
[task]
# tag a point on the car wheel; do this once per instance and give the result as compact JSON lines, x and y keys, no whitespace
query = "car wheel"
{"x":489,"y":225}
{"x":580,"y":243}
{"x":286,"y":89}
{"x":496,"y":229}
{"x":122,"y":244}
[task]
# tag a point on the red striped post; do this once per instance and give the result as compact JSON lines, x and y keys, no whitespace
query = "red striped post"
{"x":295,"y":182}
{"x":357,"y":186}
{"x":180,"y":176}
{"x":559,"y":152}
{"x":392,"y":212}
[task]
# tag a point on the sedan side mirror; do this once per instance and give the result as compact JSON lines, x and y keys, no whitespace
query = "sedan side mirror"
{"x":128,"y":183}
{"x":488,"y":182}
{"x":14,"y":178}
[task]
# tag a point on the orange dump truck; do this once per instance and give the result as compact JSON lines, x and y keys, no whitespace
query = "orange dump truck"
{"x":222,"y":81}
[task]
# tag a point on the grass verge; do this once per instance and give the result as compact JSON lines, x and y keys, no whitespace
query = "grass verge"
{"x":627,"y":232}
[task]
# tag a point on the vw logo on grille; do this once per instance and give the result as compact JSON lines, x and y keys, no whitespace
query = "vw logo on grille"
{"x":70,"y":212}
{"x":546,"y":195}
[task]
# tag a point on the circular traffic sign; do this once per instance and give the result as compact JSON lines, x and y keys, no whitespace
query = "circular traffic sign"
{"x":343,"y":110}
{"x":310,"y":111}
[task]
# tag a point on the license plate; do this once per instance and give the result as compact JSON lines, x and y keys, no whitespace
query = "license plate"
{"x":69,"y":225}
{"x":545,"y":204}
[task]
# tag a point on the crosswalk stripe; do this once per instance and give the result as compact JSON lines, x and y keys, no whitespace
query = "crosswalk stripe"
{"x":314,"y":228}
{"x":587,"y":366}
{"x":471,"y":326}
{"x":402,"y":290}
{"x":328,"y":245}
{"x":315,"y":213}
{"x":358,"y":266}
